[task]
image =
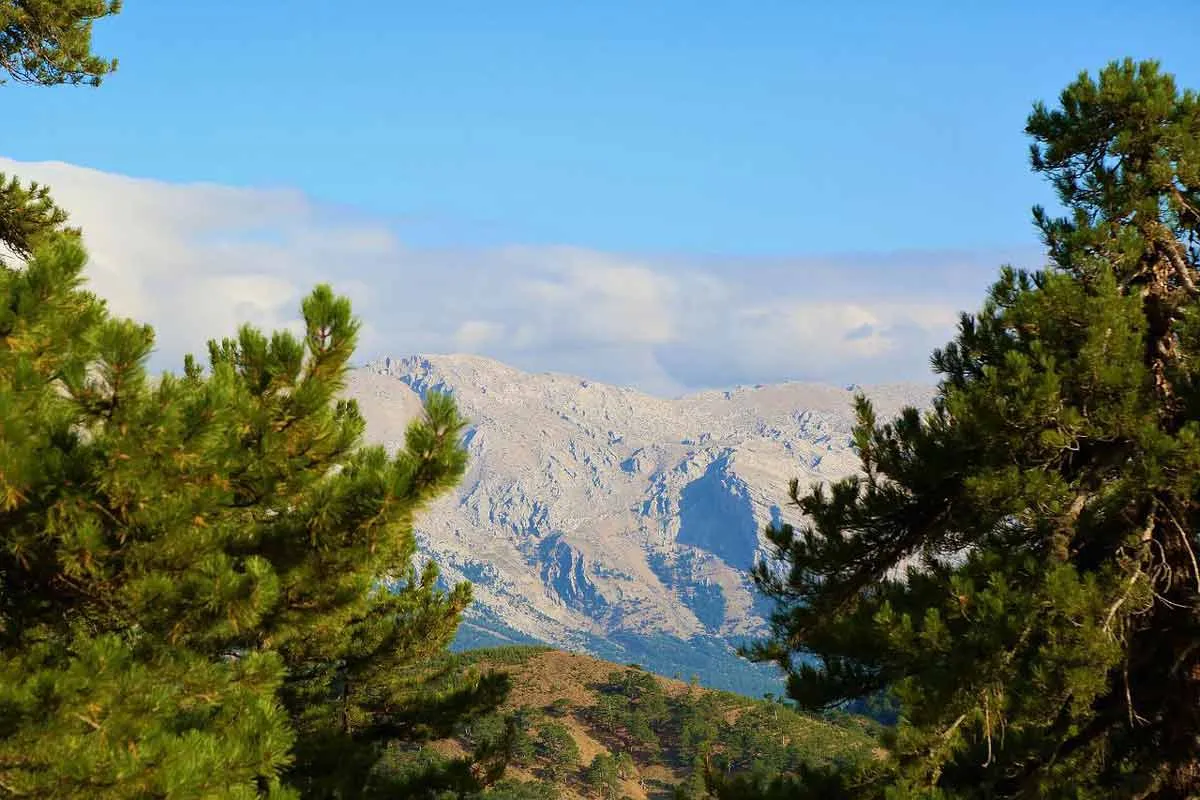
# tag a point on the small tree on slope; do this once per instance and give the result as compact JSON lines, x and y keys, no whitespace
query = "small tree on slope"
{"x":1018,"y":565}
{"x":190,"y":578}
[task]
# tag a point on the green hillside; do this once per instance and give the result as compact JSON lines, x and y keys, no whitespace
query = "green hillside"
{"x":579,"y":727}
{"x":709,"y":657}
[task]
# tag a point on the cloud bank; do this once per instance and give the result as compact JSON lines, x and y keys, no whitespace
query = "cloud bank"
{"x":197,"y":260}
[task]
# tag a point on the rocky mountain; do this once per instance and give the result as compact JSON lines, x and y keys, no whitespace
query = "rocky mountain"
{"x":600,"y":519}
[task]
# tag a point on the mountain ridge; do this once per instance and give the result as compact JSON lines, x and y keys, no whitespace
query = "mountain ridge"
{"x":594,"y":516}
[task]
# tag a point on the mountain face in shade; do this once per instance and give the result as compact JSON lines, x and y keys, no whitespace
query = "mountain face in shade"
{"x":604,"y":520}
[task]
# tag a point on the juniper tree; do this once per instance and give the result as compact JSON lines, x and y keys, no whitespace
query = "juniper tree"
{"x":207,"y":584}
{"x":1017,"y":564}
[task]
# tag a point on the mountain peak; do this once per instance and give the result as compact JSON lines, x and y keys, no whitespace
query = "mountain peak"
{"x":594,"y":517}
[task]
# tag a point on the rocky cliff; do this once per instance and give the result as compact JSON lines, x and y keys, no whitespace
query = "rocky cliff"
{"x":597,"y":518}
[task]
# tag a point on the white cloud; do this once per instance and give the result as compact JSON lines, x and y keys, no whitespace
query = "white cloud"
{"x":196,"y":260}
{"x":595,"y":300}
{"x":474,"y":335}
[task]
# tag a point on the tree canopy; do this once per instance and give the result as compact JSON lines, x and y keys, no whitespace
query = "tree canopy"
{"x":49,"y":42}
{"x":207,"y":581}
{"x":1017,"y":565}
{"x":208,"y":586}
{"x":45,"y":43}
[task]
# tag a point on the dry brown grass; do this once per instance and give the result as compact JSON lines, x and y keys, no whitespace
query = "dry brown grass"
{"x":551,"y":675}
{"x":542,"y":679}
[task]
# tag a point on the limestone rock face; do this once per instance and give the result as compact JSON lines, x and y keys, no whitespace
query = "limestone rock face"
{"x":594,"y":513}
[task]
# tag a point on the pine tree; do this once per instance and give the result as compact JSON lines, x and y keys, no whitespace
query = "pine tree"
{"x":694,"y":786}
{"x":700,"y":722}
{"x":46,"y":43}
{"x":28,"y":217}
{"x":603,"y":778}
{"x":1017,"y":566}
{"x":49,"y":42}
{"x":556,"y":744}
{"x":207,"y":582}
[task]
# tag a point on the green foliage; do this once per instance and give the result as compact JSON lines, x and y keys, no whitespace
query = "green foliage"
{"x":428,"y":774}
{"x":509,"y":789}
{"x":506,"y":655}
{"x":633,"y":707}
{"x":28,"y":217}
{"x":700,"y":728}
{"x":498,"y":740}
{"x":717,"y":730}
{"x":483,"y":730}
{"x":45,"y":42}
{"x":695,"y":786}
{"x":700,"y":723}
{"x":191,"y":600}
{"x":751,"y":742}
{"x":522,"y":748}
{"x":805,"y":783}
{"x":422,"y":773}
{"x":557,"y":746}
{"x":1016,"y":567}
{"x":603,"y":777}
{"x":49,"y":42}
{"x":609,"y":713}
{"x":627,"y":768}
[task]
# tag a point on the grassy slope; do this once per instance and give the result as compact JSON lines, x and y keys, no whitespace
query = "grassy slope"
{"x":709,"y":657}
{"x":541,"y":676}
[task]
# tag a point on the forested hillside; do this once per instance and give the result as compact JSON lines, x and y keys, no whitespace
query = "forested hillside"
{"x":577,"y":727}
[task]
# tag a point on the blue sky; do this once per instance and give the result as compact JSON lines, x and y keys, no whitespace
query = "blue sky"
{"x":773,"y":126}
{"x":726,"y":132}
